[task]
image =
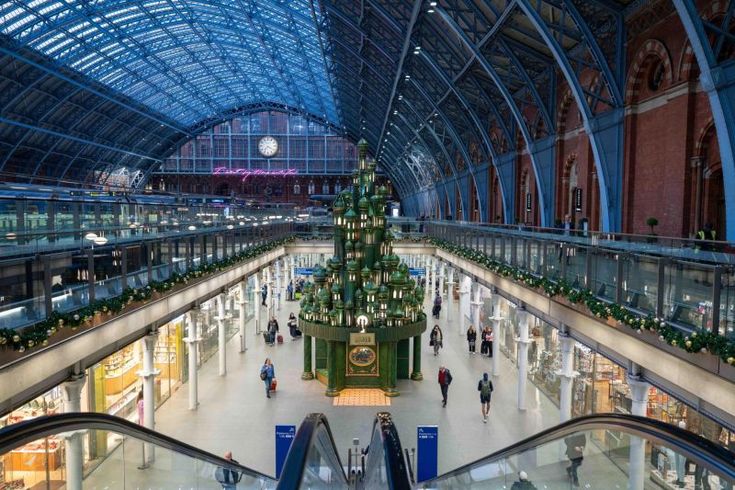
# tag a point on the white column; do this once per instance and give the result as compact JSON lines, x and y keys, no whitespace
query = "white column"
{"x":242,"y":304}
{"x":221,"y":334}
{"x":442,"y":272}
{"x":193,"y":339}
{"x":639,"y":394}
{"x":256,"y":303}
{"x":74,"y":456}
{"x":477,"y":306}
{"x":279,"y":283}
{"x":149,"y":373}
{"x":269,"y":299}
{"x":497,"y":320}
{"x":464,"y":304}
{"x":566,"y":376}
{"x":429,"y":296}
{"x":449,"y":314}
{"x":523,"y":342}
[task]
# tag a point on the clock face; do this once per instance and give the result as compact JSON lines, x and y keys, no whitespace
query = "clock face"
{"x":268,"y":146}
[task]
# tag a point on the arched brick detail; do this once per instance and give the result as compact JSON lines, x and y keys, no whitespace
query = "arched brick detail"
{"x":652,"y":47}
{"x":687,"y":63}
{"x":562,"y":113}
{"x":702,"y":136}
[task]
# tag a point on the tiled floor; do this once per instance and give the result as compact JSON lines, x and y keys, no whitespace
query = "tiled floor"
{"x":234,"y":413}
{"x":361,"y":398}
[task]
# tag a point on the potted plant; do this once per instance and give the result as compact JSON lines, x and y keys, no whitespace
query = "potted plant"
{"x":652,"y":222}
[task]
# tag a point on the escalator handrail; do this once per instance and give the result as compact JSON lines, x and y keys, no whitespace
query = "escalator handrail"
{"x":17,"y":435}
{"x":293,"y":468}
{"x":690,"y":444}
{"x":395,"y":462}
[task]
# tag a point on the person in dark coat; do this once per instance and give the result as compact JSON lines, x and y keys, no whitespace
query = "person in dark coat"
{"x":485,"y":387}
{"x":272,"y":330}
{"x":445,"y":379}
{"x":264,"y":294}
{"x":267,"y":373}
{"x":523,"y":482}
{"x":436,"y":339}
{"x":437,"y":305}
{"x":471,"y":339}
{"x":575,"y":452}
{"x":292,"y":327}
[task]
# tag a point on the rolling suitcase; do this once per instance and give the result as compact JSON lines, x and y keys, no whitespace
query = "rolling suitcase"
{"x":280,"y":338}
{"x":274,"y":383}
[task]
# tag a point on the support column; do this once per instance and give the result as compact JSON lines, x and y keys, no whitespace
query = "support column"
{"x":442,"y":272}
{"x":497,"y":320}
{"x":523,"y":342}
{"x":476,"y":306}
{"x":416,"y":374}
{"x":566,"y":376}
{"x":256,"y":303}
{"x":308,"y":344}
{"x":242,"y":304}
{"x":193,"y":339}
{"x":639,"y":394}
{"x":269,"y":299}
{"x":73,"y":443}
{"x":279,"y":283}
{"x":332,"y":368}
{"x":221,"y":335}
{"x":464,"y":306}
{"x":449,"y":314}
{"x":148,"y":374}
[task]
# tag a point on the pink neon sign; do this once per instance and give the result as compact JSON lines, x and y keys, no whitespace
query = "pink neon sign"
{"x":245,"y":172}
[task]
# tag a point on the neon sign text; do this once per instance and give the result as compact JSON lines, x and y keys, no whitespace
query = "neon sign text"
{"x":245,"y":172}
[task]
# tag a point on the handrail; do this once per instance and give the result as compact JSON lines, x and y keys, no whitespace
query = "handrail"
{"x":393,"y":458}
{"x":17,"y":435}
{"x":690,"y":444}
{"x":293,"y":468}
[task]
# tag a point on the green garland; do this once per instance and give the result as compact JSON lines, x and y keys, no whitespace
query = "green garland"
{"x":701,"y":341}
{"x":38,"y":334}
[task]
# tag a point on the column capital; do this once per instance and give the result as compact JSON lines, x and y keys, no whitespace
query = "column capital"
{"x":148,"y":374}
{"x":150,"y":340}
{"x":73,"y":386}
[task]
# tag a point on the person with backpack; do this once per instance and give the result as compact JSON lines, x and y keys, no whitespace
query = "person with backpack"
{"x":272,"y":330}
{"x":226,"y":477}
{"x":485,"y":387}
{"x":264,"y":294}
{"x":445,"y":379}
{"x":267,"y":373}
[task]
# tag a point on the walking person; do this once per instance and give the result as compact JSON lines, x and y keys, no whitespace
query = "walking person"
{"x":483,"y":342}
{"x":485,"y":387}
{"x":471,"y":338}
{"x":436,"y":339}
{"x":437,"y":305}
{"x":272,"y":330}
{"x":445,"y":379}
{"x":267,"y":373}
{"x":575,"y":452}
{"x":264,"y":294}
{"x":226,"y":477}
{"x":489,"y":338}
{"x":292,"y":327}
{"x":289,"y":291}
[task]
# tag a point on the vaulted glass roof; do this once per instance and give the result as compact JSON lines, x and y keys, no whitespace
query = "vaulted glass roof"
{"x":189,"y":60}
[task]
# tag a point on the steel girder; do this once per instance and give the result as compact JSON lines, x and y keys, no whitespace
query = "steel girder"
{"x":717,"y":77}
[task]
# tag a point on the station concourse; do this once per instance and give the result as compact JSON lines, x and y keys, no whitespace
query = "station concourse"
{"x":542,"y":192}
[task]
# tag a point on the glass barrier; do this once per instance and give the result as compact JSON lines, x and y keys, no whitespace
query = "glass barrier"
{"x":601,"y":452}
{"x":386,"y":466}
{"x":105,"y":452}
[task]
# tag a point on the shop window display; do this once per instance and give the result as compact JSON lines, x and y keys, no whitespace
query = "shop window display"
{"x":544,"y":358}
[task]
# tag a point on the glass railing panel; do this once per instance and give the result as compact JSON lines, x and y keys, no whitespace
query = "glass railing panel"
{"x":97,"y":458}
{"x":508,"y":249}
{"x":727,"y":304}
{"x":520,"y":252}
{"x":20,"y":313}
{"x":603,"y":275}
{"x":535,"y":264}
{"x":553,"y":260}
{"x":71,"y":298}
{"x":614,"y":455}
{"x":688,"y":290}
{"x":640,"y":283}
{"x":575,"y":258}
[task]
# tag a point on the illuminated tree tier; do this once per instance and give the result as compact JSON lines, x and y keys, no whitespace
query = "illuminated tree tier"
{"x":362,"y":307}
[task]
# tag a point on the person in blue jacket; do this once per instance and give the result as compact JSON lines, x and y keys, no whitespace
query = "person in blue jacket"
{"x":267,"y":373}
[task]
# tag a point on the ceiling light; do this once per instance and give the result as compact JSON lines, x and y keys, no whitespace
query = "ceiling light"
{"x":430,"y":11}
{"x":432,"y":4}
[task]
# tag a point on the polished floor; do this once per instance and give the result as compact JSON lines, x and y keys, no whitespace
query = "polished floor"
{"x":234,"y":413}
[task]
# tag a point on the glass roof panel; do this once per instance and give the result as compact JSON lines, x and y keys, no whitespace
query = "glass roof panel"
{"x":187,"y":59}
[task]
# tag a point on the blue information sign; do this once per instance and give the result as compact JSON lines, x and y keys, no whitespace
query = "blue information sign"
{"x":427,"y":458}
{"x":417,"y":272}
{"x":304,"y":271}
{"x":284,"y":438}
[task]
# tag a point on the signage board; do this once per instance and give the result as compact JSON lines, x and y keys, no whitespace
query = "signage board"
{"x":427,"y":444}
{"x":284,"y":437}
{"x":362,"y":338}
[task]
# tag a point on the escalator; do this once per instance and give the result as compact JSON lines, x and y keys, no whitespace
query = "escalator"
{"x":604,"y":451}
